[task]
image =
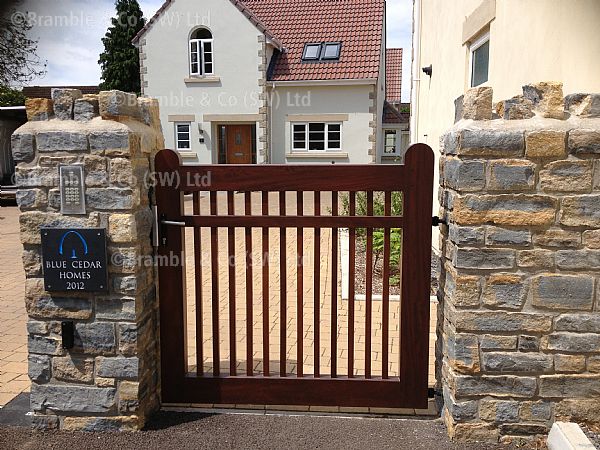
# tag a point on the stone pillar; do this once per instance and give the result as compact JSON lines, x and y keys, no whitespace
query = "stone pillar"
{"x":519,"y":322}
{"x":109,"y":380}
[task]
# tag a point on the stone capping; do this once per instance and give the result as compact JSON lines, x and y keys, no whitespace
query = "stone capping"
{"x":110,"y":379}
{"x":519,"y":318}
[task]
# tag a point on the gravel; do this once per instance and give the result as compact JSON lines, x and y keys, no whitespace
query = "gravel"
{"x":172,"y":430}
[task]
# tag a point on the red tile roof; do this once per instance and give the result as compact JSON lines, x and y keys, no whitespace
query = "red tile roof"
{"x":393,"y":74}
{"x":45,"y":91}
{"x":391,"y":115}
{"x":357,"y":24}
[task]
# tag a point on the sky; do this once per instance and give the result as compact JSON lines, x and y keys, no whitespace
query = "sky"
{"x":70,"y":33}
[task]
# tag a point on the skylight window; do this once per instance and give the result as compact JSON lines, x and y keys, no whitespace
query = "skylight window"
{"x":325,"y":51}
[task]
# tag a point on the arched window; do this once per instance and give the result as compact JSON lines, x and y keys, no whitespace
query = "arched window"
{"x":201,"y":52}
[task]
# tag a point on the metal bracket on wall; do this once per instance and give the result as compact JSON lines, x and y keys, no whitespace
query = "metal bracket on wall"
{"x":436,"y":221}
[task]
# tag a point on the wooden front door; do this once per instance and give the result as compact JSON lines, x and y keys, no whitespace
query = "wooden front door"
{"x":238,"y":144}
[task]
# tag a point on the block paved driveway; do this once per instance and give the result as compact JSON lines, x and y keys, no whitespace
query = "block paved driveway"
{"x":274,"y":300}
{"x":13,"y":317}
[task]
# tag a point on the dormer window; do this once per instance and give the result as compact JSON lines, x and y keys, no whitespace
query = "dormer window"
{"x":323,"y":51}
{"x":201,"y":52}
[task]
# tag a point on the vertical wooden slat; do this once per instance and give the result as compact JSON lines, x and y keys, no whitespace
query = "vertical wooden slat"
{"x":265,"y":285}
{"x":386,"y":288}
{"x":282,"y":291}
{"x":317,"y":289}
{"x":300,"y":288}
{"x":231,"y":265}
{"x":198,"y":287}
{"x":334,"y":286}
{"x":369,"y":288}
{"x":249,"y":286}
{"x":351,"y":286}
{"x":214,"y":262}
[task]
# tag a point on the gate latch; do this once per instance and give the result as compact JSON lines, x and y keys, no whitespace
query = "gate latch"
{"x":162,"y":224}
{"x":436,"y":221}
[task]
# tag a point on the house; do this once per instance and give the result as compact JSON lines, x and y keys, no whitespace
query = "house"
{"x":396,"y":117}
{"x":268,"y":81}
{"x":505,"y":44}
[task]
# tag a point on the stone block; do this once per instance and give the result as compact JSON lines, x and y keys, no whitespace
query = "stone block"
{"x":71,"y":398}
{"x":126,"y":285}
{"x":473,"y":432}
{"x":466,"y":235}
{"x":66,"y":141}
{"x":500,"y":321}
{"x":578,"y":410}
{"x":86,"y":108}
{"x":115,"y":105}
{"x":511,"y":175}
{"x":112,"y":199}
{"x":496,"y":385}
{"x":29,"y":177}
{"x":580,"y":211}
{"x":500,"y":411}
{"x":517,"y":362}
{"x":149,"y":111}
{"x":545,"y":144}
{"x":114,"y":143}
{"x":505,"y":237}
{"x":528,"y":343}
{"x":547,"y":98}
{"x":515,"y":108}
{"x":449,"y":143}
{"x":569,"y":363}
{"x":572,"y":342}
{"x":117,"y":367}
{"x":39,"y":368}
{"x":463,"y":290}
{"x":23,"y":146}
{"x":584,"y":142}
{"x":37,"y":327}
{"x":505,"y":210}
{"x":463,"y":352}
{"x":464,"y":175}
{"x":568,"y":292}
{"x":32,"y":263}
{"x":128,"y":396}
{"x":591,"y":239}
{"x":39,"y":109}
{"x":31,"y":199}
{"x":536,"y":258}
{"x":581,"y":322}
{"x":477,"y":103}
{"x":483,"y":258}
{"x":95,"y":338}
{"x":115,"y":424}
{"x":32,"y":221}
{"x":504,"y":291}
{"x":73,"y":369}
{"x":557,"y":238}
{"x":498,"y":143}
{"x":593,"y":363}
{"x":128,"y":335}
{"x":115,"y":308}
{"x":44,"y":345}
{"x":63,"y":100}
{"x":560,"y":176}
{"x":466,"y":410}
{"x":497,"y":342}
{"x":40,"y":422}
{"x":523,"y":429}
{"x":42,"y":305}
{"x":584,"y":105}
{"x":580,"y":385}
{"x":578,"y":259}
{"x":535,"y":411}
{"x":96,"y":173}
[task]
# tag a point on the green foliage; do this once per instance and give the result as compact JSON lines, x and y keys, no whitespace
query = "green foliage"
{"x":11,"y":97}
{"x":378,"y":204}
{"x":395,"y":249}
{"x":19,"y":62}
{"x":120,"y":62}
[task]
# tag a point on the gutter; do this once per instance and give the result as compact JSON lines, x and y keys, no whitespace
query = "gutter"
{"x":416,"y":81}
{"x":340,"y":82}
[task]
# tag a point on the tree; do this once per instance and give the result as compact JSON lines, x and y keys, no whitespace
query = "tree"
{"x":19,"y":62}
{"x":120,"y":62}
{"x":11,"y":97}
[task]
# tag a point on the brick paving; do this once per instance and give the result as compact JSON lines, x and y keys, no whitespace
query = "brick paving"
{"x":13,"y":317}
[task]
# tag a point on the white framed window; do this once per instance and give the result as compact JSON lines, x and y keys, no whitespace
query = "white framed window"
{"x":201,"y":53}
{"x":390,"y":142}
{"x":480,"y":59}
{"x":316,"y":136}
{"x":183,"y":135}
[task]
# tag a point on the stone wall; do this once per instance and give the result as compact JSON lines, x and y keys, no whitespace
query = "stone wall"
{"x":110,"y":379}
{"x":519,"y":325}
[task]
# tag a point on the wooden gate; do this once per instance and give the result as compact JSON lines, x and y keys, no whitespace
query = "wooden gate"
{"x":342,"y":386}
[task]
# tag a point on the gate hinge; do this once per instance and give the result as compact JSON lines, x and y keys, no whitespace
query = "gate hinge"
{"x":436,"y":221}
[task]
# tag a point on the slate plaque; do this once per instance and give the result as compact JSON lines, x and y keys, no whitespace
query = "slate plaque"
{"x":74,"y":259}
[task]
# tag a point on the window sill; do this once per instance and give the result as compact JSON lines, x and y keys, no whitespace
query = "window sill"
{"x":187,"y":154}
{"x":324,"y":155}
{"x":207,"y":79}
